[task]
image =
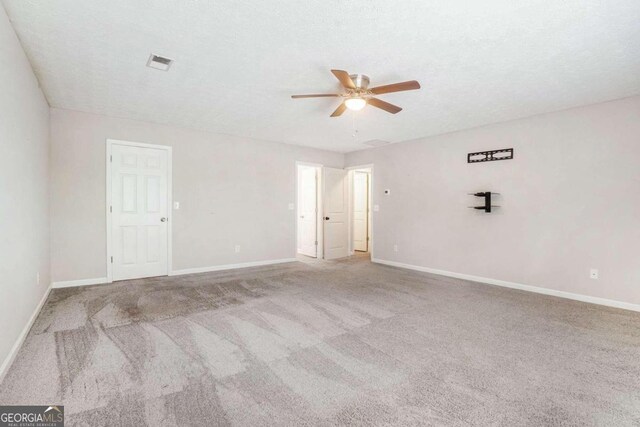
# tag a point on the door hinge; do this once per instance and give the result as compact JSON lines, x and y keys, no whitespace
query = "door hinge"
{"x":111,"y":209}
{"x":111,"y":158}
{"x":111,"y":260}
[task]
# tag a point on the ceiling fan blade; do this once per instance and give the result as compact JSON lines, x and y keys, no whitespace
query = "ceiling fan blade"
{"x":315,"y":95}
{"x":390,"y":108}
{"x":344,"y":78}
{"x":396,"y":87}
{"x":341,"y":108}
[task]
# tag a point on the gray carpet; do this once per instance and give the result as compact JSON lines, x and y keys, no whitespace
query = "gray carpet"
{"x":339,"y":343}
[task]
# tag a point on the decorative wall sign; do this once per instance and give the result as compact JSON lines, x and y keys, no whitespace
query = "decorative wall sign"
{"x":489,"y":156}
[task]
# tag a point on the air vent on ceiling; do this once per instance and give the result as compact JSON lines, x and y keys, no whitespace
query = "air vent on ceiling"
{"x":159,"y":62}
{"x":376,"y":142}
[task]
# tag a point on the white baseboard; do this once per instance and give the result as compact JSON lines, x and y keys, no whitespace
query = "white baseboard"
{"x":8,"y":361}
{"x":529,"y":288}
{"x":81,"y":282}
{"x":230,"y":266}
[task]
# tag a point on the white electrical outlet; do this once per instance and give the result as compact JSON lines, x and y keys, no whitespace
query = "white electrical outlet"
{"x":395,"y":248}
{"x":237,"y":248}
{"x":593,"y":273}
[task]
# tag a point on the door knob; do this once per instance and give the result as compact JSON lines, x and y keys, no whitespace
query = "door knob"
{"x":327,"y":218}
{"x":163,"y":219}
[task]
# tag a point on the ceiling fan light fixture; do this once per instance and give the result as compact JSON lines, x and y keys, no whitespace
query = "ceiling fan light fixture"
{"x":355,"y":103}
{"x":356,"y":93}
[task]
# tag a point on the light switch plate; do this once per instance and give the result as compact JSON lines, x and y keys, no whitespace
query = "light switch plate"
{"x":291,"y":206}
{"x":176,"y":205}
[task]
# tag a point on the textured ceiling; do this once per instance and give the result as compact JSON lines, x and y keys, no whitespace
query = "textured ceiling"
{"x":237,"y":62}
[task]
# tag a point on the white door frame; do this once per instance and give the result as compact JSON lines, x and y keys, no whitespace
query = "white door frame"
{"x":371,"y":212}
{"x":109,"y":144}
{"x":319,"y":223}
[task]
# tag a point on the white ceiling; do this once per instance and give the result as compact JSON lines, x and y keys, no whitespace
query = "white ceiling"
{"x":237,"y":62}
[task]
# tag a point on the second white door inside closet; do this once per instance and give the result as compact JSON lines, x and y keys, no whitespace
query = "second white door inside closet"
{"x":361,"y":211}
{"x":139,"y":212}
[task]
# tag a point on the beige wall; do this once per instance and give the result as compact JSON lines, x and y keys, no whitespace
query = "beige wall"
{"x":24,"y":218}
{"x":570,"y":201}
{"x":231,"y":191}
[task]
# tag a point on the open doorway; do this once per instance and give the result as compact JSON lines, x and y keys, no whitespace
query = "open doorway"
{"x":333,"y":211}
{"x":361,"y":222}
{"x":309,"y":230}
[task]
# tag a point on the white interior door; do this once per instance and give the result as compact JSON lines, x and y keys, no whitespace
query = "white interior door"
{"x":307,"y":210}
{"x":139,"y":199}
{"x":360,"y":211}
{"x":335,"y":205}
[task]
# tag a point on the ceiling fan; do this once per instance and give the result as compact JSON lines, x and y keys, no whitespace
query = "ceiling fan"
{"x":357,"y":93}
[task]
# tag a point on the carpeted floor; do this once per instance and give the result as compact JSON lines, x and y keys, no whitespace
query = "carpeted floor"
{"x":338,"y":343}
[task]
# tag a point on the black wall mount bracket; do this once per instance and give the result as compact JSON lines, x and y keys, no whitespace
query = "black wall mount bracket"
{"x":490,"y":156}
{"x":487,"y":201}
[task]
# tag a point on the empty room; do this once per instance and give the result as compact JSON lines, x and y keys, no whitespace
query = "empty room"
{"x":375,"y":213}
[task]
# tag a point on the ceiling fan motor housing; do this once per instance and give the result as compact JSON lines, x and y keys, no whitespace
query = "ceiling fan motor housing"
{"x":360,"y":80}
